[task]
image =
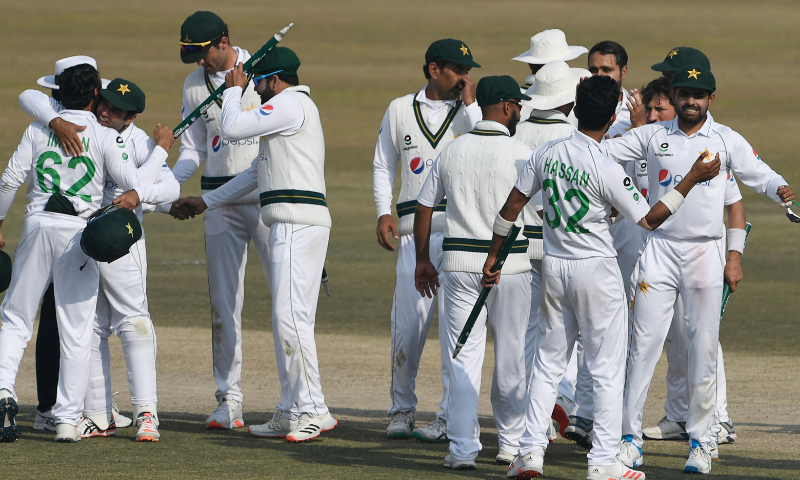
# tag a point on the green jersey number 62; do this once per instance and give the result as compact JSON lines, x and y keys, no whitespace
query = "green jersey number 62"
{"x":55,"y":178}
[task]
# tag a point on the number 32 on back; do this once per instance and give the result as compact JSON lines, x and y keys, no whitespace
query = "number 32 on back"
{"x":572,"y":221}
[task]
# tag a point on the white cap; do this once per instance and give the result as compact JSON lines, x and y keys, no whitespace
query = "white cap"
{"x":49,"y":81}
{"x":554,"y":86}
{"x":549,"y":46}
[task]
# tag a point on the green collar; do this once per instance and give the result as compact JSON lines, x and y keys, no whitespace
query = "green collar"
{"x":545,"y":121}
{"x":434,"y":139}
{"x":488,"y":133}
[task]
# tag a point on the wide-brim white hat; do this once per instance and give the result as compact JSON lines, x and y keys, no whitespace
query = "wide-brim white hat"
{"x":554,"y":86}
{"x":49,"y":81}
{"x":550,"y":46}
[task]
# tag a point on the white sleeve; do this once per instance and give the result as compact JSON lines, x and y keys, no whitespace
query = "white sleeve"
{"x":282,"y":113}
{"x":165,"y":190}
{"x":122,"y":168}
{"x":384,"y":168}
{"x":752,"y":171}
{"x":16,"y":172}
{"x":474,"y":114}
{"x":239,"y":186}
{"x":618,"y":189}
{"x":536,"y":200}
{"x":628,"y":148}
{"x":39,"y":106}
{"x":432,"y":191}
{"x":527,"y":182}
{"x":193,"y":145}
{"x":148,"y":174}
{"x":732,"y":192}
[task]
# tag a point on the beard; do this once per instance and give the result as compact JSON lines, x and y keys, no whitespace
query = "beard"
{"x":512,"y":123}
{"x":266,"y":94}
{"x":691,"y":119}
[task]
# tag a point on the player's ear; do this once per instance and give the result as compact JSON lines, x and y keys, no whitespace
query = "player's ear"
{"x":611,"y":122}
{"x":623,"y":72}
{"x":130,"y":119}
{"x":711,"y":98}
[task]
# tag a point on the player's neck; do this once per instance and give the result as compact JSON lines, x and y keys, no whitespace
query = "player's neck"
{"x":596,"y":135}
{"x":230,"y":58}
{"x":691,"y":128}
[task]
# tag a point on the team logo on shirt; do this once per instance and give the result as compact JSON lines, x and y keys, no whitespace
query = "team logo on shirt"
{"x":664,"y":177}
{"x":216,"y":143}
{"x":664,"y":146}
{"x":407,"y":139}
{"x":120,"y":142}
{"x":636,"y":197}
{"x":417,"y":165}
{"x":265,"y":110}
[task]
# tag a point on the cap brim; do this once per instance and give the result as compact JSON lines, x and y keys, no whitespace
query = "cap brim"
{"x":466,"y":63}
{"x":115,"y":100}
{"x":664,"y":67}
{"x":573,"y":52}
{"x":48,"y":81}
{"x":194,"y":57}
{"x":693,"y":85}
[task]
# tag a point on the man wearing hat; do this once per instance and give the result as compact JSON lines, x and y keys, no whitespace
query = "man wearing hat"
{"x":678,"y":57}
{"x":685,"y":256}
{"x":493,"y":160}
{"x":229,"y":229}
{"x":289,"y":173}
{"x":414,"y":129}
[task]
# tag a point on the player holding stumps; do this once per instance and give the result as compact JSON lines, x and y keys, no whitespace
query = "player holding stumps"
{"x":582,"y":289}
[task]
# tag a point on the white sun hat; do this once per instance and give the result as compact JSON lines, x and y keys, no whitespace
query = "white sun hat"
{"x":49,"y":81}
{"x":554,"y":86}
{"x":549,"y":46}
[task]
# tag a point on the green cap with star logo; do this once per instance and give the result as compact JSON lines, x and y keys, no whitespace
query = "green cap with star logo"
{"x":278,"y":60}
{"x":124,"y":95}
{"x":110,"y":234}
{"x":450,"y":50}
{"x":694,"y":76}
{"x":197,"y":32}
{"x":496,"y":89}
{"x":678,"y":57}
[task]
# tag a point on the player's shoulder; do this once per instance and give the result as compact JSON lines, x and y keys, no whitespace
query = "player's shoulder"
{"x":727,"y":133}
{"x":197,"y":77}
{"x":404,"y":101}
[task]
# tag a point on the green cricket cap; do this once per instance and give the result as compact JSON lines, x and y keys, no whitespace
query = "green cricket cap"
{"x":124,"y":95}
{"x":678,"y":57}
{"x":111,"y":234}
{"x":694,"y":76}
{"x":496,"y":89}
{"x":450,"y":50}
{"x":199,"y":28}
{"x":5,"y":271}
{"x":279,"y":59}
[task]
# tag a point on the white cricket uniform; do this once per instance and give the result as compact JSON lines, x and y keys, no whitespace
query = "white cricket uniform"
{"x":686,"y":255}
{"x":476,"y":172}
{"x":414,"y":130}
{"x":49,"y":249}
{"x":582,"y":290}
{"x":289,"y":174}
{"x":228,"y":229}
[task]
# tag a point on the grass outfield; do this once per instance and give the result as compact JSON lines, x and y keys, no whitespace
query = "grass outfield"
{"x":358,"y":56}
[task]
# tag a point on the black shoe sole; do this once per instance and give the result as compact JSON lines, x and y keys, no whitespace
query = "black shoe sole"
{"x":580,"y":440}
{"x":8,"y":408}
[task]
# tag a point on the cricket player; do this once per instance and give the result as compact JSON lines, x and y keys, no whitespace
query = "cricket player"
{"x":581,"y":283}
{"x":474,"y":171}
{"x":685,"y":256}
{"x":289,"y":172}
{"x":122,"y":299}
{"x":50,"y":243}
{"x":414,"y":130}
{"x":229,"y":229}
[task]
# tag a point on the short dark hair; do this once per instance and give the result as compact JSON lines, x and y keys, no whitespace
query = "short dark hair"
{"x":596,"y":102}
{"x":77,"y":86}
{"x":660,"y":87}
{"x":290,"y":79}
{"x":215,"y":42}
{"x":607,"y":47}
{"x":426,"y":68}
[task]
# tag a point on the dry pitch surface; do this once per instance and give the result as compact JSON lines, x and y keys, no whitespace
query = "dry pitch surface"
{"x":357,"y":57}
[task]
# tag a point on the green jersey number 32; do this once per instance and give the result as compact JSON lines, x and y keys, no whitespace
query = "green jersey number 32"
{"x":55,"y":178}
{"x":569,"y":196}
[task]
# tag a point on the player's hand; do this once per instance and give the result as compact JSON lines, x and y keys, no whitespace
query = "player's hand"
{"x":182,"y":213}
{"x":703,"y":171}
{"x":733,"y":269}
{"x":236,"y":77}
{"x":164,"y":137}
{"x":636,"y":107}
{"x":129,"y":200}
{"x":426,"y":279}
{"x":194,"y":204}
{"x":385,"y":225}
{"x":490,"y":279}
{"x":786,"y":195}
{"x":67,"y":134}
{"x":468,"y":92}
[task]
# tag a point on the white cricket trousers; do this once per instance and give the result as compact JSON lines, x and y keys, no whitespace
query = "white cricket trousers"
{"x":667,"y":267}
{"x":297,"y":256}
{"x":122,"y":310}
{"x":49,"y":251}
{"x":412,"y":315}
{"x":507,"y":308}
{"x":579,"y":297}
{"x":228,"y":231}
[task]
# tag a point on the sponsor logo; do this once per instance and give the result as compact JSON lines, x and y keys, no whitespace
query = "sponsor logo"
{"x":664,"y":177}
{"x":628,"y":183}
{"x":417,"y":165}
{"x":756,"y":154}
{"x":265,"y":110}
{"x":643,"y":166}
{"x":636,"y":196}
{"x":407,"y":139}
{"x":664,"y":147}
{"x":644,"y":192}
{"x":216,"y":143}
{"x":730,"y":175}
{"x":124,"y":156}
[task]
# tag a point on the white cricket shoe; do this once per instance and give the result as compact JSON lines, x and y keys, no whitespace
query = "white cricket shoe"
{"x":9,"y":431}
{"x":434,"y":432}
{"x":279,"y":427}
{"x":66,"y":433}
{"x":45,"y":421}
{"x":666,"y":430}
{"x":310,"y":426}
{"x":629,"y":454}
{"x":504,"y":457}
{"x":121,"y":420}
{"x":713,"y":450}
{"x":726,"y":433}
{"x":527,"y":466}
{"x":561,"y":413}
{"x":450,"y":462}
{"x":147,"y":425}
{"x":226,"y":416}
{"x":618,"y":471}
{"x":87,"y":428}
{"x":699,"y":460}
{"x":400,"y":425}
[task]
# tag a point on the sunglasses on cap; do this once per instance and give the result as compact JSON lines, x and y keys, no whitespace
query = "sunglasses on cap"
{"x":262,"y":77}
{"x":194,"y":47}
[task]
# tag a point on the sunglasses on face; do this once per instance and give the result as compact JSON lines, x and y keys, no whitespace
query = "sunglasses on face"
{"x":194,"y":47}
{"x":262,"y":77}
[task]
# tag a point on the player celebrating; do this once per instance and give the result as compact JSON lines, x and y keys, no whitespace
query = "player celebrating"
{"x":415,"y":128}
{"x":493,"y":161}
{"x":581,"y":283}
{"x":685,"y":256}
